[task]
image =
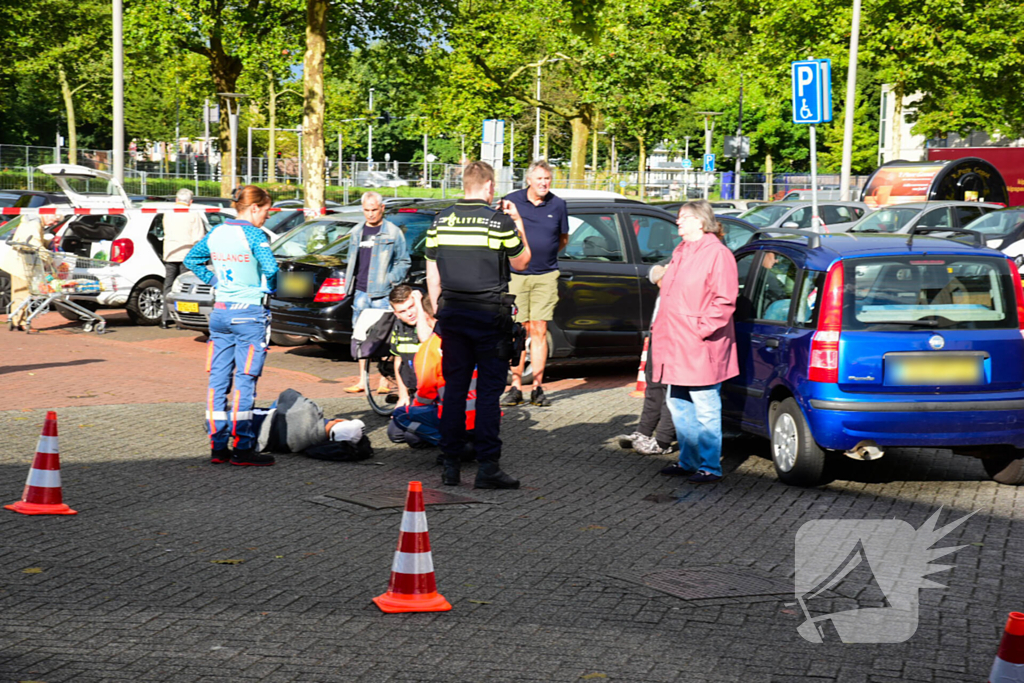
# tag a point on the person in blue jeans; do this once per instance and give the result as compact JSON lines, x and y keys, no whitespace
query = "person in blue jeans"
{"x":378,"y":259}
{"x":243,"y":272}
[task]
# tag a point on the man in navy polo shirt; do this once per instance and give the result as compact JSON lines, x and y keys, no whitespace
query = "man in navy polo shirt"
{"x":546,"y":224}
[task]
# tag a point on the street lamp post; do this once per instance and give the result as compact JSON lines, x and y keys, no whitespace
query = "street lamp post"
{"x":233,"y":126}
{"x":536,"y":130}
{"x":709,"y":130}
{"x":369,"y":142}
{"x":851,"y":100}
{"x":118,"y":59}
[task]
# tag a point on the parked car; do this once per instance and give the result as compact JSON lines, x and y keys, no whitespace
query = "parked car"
{"x":836,"y":216}
{"x":825,"y":193}
{"x":1003,"y":229}
{"x":7,"y":200}
{"x":378,"y":179}
{"x":856,"y":346}
{"x":223,"y":202}
{"x":740,"y":204}
{"x":901,"y":218}
{"x":605,"y":299}
{"x":191,"y":300}
{"x":298,"y":204}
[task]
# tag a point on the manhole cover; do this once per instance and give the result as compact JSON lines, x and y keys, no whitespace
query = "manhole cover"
{"x":711,"y":582}
{"x":395,"y":498}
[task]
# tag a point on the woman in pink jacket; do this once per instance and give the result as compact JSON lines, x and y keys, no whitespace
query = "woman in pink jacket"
{"x":694,"y":341}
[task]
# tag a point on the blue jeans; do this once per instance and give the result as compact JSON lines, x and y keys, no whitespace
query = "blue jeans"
{"x":415,"y":425}
{"x":235,"y":354}
{"x":697,"y":416}
{"x":361,"y":301}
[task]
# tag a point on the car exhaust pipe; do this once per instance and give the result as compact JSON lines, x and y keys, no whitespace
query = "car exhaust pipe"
{"x":865,"y":450}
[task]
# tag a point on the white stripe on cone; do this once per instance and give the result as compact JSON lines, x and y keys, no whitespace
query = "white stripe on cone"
{"x":1005,"y":672}
{"x":49,"y":479}
{"x":414,"y":522}
{"x":412,"y":563}
{"x":47,"y":444}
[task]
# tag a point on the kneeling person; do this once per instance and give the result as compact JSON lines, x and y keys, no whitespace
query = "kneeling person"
{"x":419,"y":424}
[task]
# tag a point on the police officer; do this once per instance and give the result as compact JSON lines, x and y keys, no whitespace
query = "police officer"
{"x":242,"y":270}
{"x":469,"y":248}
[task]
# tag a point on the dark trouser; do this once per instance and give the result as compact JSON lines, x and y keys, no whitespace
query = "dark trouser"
{"x":655,"y":417}
{"x":469,"y":340}
{"x":172,"y":269}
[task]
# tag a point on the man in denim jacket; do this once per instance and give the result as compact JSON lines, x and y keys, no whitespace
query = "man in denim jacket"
{"x":378,"y":259}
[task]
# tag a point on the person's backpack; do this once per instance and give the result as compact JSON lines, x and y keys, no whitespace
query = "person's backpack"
{"x":371,"y":335}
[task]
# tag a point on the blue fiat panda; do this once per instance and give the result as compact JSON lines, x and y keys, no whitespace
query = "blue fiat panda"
{"x":854,"y":344}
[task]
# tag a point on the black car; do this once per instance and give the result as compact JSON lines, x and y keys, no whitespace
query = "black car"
{"x":605,"y":299}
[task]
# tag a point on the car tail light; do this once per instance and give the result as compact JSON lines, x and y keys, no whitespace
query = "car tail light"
{"x":121,"y":250}
{"x":825,"y":342}
{"x":333,"y":289}
{"x":1019,"y":294}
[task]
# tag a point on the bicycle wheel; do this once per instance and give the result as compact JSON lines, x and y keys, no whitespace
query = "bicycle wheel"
{"x":378,"y":403}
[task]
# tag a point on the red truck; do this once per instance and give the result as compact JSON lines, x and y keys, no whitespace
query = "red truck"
{"x":1008,"y":160}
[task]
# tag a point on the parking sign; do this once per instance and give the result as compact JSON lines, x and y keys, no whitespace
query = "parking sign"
{"x":709,"y":163}
{"x":812,"y":91}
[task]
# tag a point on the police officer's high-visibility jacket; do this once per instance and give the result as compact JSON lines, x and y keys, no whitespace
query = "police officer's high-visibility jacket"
{"x":430,"y":381}
{"x":471,"y":243}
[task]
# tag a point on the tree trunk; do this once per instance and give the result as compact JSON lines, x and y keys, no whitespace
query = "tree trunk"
{"x":897,"y":121}
{"x":641,"y":174}
{"x":69,"y":108}
{"x":578,"y":159}
{"x":225,"y":71}
{"x":313,"y":103}
{"x":272,"y":144}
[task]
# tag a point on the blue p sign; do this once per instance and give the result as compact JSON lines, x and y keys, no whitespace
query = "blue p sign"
{"x":807,"y":92}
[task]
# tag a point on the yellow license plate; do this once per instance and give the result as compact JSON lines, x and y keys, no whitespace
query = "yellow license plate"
{"x":936,"y":371}
{"x":292,"y":285}
{"x":187,"y":306}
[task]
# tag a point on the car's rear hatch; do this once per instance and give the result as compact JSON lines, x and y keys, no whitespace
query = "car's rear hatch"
{"x":86,"y":187}
{"x":937,"y":324}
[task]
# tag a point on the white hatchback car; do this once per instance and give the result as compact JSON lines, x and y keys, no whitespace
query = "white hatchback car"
{"x":132,"y":242}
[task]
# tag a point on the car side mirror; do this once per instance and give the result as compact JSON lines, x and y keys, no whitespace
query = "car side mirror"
{"x":791,"y":225}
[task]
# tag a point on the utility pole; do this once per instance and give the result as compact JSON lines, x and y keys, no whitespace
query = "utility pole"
{"x":739,"y":136}
{"x":709,"y":130}
{"x":536,"y":130}
{"x":369,"y":142}
{"x":851,"y":101}
{"x":118,"y":58}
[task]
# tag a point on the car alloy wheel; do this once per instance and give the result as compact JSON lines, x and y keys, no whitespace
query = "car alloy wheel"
{"x":151,"y":302}
{"x":784,"y":442}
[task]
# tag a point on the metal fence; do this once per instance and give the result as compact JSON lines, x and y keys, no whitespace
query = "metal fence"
{"x":348,"y":180}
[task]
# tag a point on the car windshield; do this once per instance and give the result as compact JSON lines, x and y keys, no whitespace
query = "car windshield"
{"x":926,"y":291}
{"x":310,"y":238}
{"x":765,"y":215}
{"x":276,"y":218}
{"x":888,"y":219}
{"x":997,"y":223}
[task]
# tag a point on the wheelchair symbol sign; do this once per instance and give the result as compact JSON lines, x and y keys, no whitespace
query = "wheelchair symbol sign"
{"x":812,"y":91}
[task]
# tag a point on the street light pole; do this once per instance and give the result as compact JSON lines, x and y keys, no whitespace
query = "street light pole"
{"x":369,"y":143}
{"x":709,"y":130}
{"x":248,"y":159}
{"x":118,"y":59}
{"x":536,"y":130}
{"x":739,"y":156}
{"x":233,"y":127}
{"x":851,"y":100}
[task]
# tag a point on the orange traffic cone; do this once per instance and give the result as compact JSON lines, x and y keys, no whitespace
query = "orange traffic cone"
{"x":42,"y":495}
{"x":1009,"y":664}
{"x":412,"y":587}
{"x":641,"y":379}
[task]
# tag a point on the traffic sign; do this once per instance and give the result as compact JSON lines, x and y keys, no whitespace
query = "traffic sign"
{"x":709,"y":163}
{"x":623,"y":183}
{"x":687,"y":163}
{"x":812,"y":91}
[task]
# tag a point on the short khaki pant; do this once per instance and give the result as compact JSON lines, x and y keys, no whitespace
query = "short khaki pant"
{"x":536,"y":295}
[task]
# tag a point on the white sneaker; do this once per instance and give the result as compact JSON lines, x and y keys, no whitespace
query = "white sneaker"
{"x":649,"y":446}
{"x":629,"y":441}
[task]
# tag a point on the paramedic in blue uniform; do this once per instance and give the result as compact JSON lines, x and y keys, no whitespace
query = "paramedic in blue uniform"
{"x":243,"y":272}
{"x":469,"y":249}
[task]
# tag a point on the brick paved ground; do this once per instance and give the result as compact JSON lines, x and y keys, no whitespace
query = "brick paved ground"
{"x":63,"y":366}
{"x":128,"y":590}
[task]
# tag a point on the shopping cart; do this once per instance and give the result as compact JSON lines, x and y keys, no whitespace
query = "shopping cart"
{"x":54,"y":277}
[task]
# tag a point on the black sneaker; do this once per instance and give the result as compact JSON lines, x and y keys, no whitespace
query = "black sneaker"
{"x":512,"y":397}
{"x":676,"y":470}
{"x":251,"y":458}
{"x":537,"y":398}
{"x":219,"y":456}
